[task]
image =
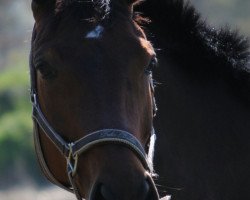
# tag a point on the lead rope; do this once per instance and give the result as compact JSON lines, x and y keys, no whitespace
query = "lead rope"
{"x":71,"y":170}
{"x":74,"y":187}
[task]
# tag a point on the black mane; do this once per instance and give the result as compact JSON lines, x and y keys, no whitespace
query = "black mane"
{"x":179,"y":31}
{"x":93,"y":10}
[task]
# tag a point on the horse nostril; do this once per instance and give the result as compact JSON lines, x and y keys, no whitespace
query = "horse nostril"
{"x":152,"y":195}
{"x":152,"y":191}
{"x":146,"y":187}
{"x":148,"y":191}
{"x":102,"y":193}
{"x":141,"y":189}
{"x":106,"y":193}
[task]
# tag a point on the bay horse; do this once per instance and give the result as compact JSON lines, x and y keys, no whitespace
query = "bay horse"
{"x":93,"y":98}
{"x":203,"y":96}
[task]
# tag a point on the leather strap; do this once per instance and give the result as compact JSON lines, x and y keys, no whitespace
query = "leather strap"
{"x":38,"y":116}
{"x":104,"y":136}
{"x":71,"y":151}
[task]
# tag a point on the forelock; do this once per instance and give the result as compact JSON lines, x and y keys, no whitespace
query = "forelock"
{"x":102,"y":7}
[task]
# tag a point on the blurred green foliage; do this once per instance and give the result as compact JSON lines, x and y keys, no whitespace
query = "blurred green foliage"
{"x":17,"y":159}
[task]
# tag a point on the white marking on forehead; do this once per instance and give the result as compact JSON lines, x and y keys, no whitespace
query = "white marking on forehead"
{"x":96,"y":33}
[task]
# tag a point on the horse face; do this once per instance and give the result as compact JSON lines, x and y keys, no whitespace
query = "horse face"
{"x":90,"y":66}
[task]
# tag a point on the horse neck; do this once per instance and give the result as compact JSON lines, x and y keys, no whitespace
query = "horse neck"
{"x":200,"y":120}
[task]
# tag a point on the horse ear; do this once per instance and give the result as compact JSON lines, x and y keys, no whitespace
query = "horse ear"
{"x":39,"y":7}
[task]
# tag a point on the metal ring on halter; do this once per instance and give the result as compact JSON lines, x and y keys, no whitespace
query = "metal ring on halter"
{"x":72,"y":160}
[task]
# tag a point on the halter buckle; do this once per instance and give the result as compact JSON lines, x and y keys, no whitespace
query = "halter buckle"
{"x":72,"y":161}
{"x":33,"y":98}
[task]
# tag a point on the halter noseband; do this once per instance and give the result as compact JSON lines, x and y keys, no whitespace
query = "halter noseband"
{"x":71,"y":151}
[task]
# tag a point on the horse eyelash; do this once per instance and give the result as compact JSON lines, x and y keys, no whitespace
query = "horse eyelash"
{"x":46,"y":71}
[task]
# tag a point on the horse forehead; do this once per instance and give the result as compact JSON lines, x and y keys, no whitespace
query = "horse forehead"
{"x":95,"y":33}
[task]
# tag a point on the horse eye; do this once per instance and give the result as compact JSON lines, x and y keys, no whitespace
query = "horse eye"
{"x":46,"y":71}
{"x":151,"y":66}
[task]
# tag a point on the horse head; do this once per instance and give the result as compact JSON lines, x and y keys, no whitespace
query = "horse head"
{"x":92,"y":84}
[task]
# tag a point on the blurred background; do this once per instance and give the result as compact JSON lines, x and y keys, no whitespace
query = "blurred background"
{"x":20,"y":177}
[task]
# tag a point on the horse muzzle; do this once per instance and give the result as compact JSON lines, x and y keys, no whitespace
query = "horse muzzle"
{"x":144,"y":189}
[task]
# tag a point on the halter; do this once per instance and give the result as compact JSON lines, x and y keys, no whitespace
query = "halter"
{"x":72,"y":150}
